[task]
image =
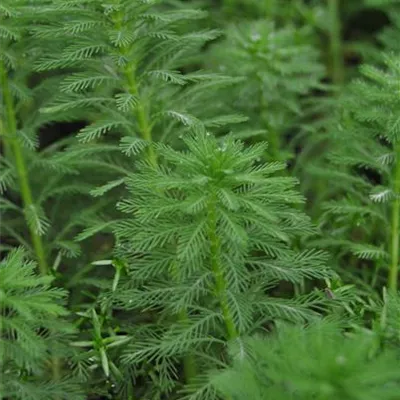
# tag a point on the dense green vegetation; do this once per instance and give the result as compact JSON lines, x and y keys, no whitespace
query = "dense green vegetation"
{"x":200,"y":200}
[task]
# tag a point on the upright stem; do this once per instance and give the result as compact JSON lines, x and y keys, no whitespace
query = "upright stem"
{"x":229,"y":7}
{"x":273,"y":137}
{"x":220,"y":282}
{"x":336,"y":46}
{"x":189,"y":363}
{"x":129,"y":73}
{"x":15,"y":146}
{"x":274,"y":145}
{"x":143,"y":122}
{"x":270,"y":6}
{"x":394,"y":263}
{"x":5,"y":147}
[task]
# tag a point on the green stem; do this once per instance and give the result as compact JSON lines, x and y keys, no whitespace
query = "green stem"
{"x":56,"y":368}
{"x":15,"y":146}
{"x":336,"y":46}
{"x":143,"y":121}
{"x":274,"y":145}
{"x":3,"y":142}
{"x":26,"y":193}
{"x":189,"y":363}
{"x":270,"y":8}
{"x":394,"y":263}
{"x":220,"y":282}
{"x":273,"y":137}
{"x":129,"y":73}
{"x":229,"y":7}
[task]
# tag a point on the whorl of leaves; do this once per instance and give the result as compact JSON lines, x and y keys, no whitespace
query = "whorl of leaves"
{"x":31,"y":326}
{"x":205,"y":236}
{"x":318,"y":362}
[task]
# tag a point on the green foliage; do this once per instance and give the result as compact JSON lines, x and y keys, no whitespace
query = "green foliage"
{"x":38,"y":184}
{"x":318,"y":362}
{"x":128,"y":61}
{"x":206,"y":235}
{"x":385,"y":325}
{"x":365,"y":142}
{"x":32,"y":322}
{"x":387,"y":37}
{"x":175,"y":244}
{"x":280,"y":66}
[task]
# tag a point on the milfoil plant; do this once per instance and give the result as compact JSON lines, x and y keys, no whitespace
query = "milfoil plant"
{"x":129,"y":71}
{"x":280,"y":65}
{"x":320,"y":362}
{"x":33,"y":330}
{"x":38,"y":180}
{"x":207,"y":234}
{"x":362,"y":207}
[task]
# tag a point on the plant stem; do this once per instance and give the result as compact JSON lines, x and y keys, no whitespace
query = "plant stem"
{"x":13,"y":143}
{"x":15,"y":146}
{"x":229,"y":7}
{"x":336,"y":47}
{"x":273,"y":136}
{"x":129,"y":73}
{"x":274,"y":145}
{"x":5,"y":147}
{"x":220,"y":282}
{"x":394,"y":263}
{"x":143,"y":122}
{"x":189,"y":364}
